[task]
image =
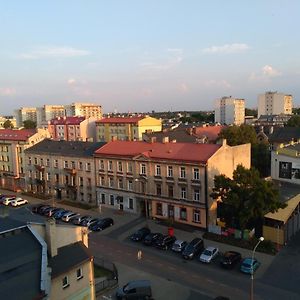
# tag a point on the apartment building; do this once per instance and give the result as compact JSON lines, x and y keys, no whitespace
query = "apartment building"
{"x":47,"y":113}
{"x":126,"y":129}
{"x":56,"y":263}
{"x":285,"y":163}
{"x":13,"y":143}
{"x":62,"y":169}
{"x":165,"y":180}
{"x":25,"y":113}
{"x":86,"y":110}
{"x":229,"y":111}
{"x":12,"y":120}
{"x":273,"y":103}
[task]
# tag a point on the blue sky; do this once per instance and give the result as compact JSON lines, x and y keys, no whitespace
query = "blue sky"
{"x":147,"y":55}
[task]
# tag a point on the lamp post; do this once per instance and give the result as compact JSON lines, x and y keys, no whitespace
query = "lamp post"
{"x":252,"y":271}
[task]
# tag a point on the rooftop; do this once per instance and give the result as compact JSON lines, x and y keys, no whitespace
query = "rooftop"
{"x":16,"y":134}
{"x":76,"y":120}
{"x":121,"y":120}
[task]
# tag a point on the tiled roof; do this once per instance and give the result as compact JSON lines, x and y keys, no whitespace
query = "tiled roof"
{"x":285,"y":134}
{"x":171,"y":151}
{"x":16,"y":134}
{"x":68,"y":258}
{"x":65,"y":148}
{"x":130,"y":120}
{"x":67,"y":120}
{"x":211,"y":132}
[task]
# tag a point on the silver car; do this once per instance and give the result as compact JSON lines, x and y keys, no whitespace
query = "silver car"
{"x":69,"y":216}
{"x":179,"y":246}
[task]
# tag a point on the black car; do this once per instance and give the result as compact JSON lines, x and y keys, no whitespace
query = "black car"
{"x":102,"y":224}
{"x":165,"y":242}
{"x":140,"y":234}
{"x":42,"y":209}
{"x":59,"y":213}
{"x":194,"y":248}
{"x":47,"y":210}
{"x":150,"y":239}
{"x":230,"y":259}
{"x":35,"y":209}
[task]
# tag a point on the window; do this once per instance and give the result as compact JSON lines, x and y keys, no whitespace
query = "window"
{"x":130,"y":185}
{"x":110,"y":165}
{"x":88,"y":167}
{"x":183,"y":193}
{"x":80,"y":165}
{"x":111,"y":200}
{"x":80,"y":181}
{"x":101,"y":181}
{"x":196,"y":216}
{"x":79,"y":274}
{"x":55,"y":163}
{"x":129,"y":167}
{"x":66,"y":164}
{"x":196,"y":174}
{"x":170,"y":191}
{"x":170,"y":171}
{"x":120,"y":166}
{"x":111,"y":182}
{"x":29,"y":160}
{"x":130,"y":203}
{"x":143,"y":169}
{"x":103,"y":198}
{"x":57,"y":178}
{"x":48,"y":176}
{"x":48,"y":162}
{"x":159,"y":209}
{"x":65,"y":282}
{"x":101,"y":164}
{"x":183,"y":214}
{"x":158,"y":189}
{"x":182,"y":172}
{"x":120,"y":183}
{"x":196,"y":195}
{"x":157,"y":170}
{"x":73,"y":164}
{"x":41,"y":161}
{"x":35,"y":161}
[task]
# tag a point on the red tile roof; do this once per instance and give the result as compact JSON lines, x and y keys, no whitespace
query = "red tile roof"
{"x":211,"y":132}
{"x":171,"y":151}
{"x":15,"y":134}
{"x":120,"y":120}
{"x":76,"y":120}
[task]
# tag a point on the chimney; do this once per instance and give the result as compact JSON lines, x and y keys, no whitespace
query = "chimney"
{"x":271,"y":130}
{"x":190,"y":131}
{"x":51,"y":237}
{"x":165,"y":140}
{"x":114,"y":138}
{"x":153,"y":139}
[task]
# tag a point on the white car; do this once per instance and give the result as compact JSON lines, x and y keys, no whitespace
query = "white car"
{"x":69,"y":216}
{"x":7,"y":201}
{"x":209,"y":254}
{"x":18,"y":202}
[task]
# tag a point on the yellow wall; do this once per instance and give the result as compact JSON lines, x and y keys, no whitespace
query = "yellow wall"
{"x":148,"y":123}
{"x":273,"y":234}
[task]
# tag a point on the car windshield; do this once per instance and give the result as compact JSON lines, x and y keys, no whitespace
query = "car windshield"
{"x":246,"y":265}
{"x":207,"y":252}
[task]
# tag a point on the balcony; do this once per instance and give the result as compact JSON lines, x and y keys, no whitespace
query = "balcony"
{"x":157,"y":178}
{"x":196,"y":182}
{"x":71,"y":171}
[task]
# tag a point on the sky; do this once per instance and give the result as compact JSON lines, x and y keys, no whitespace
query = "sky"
{"x":144,"y":55}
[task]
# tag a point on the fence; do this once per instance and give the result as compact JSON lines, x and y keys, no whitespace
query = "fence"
{"x":109,"y":281}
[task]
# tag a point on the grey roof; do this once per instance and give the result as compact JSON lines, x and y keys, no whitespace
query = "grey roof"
{"x":68,"y":257}
{"x":65,"y":148}
{"x":181,"y":136}
{"x":20,"y":265}
{"x":287,"y":190}
{"x":285,"y":134}
{"x":7,"y":223}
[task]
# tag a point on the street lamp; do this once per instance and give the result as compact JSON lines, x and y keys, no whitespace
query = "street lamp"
{"x":252,"y":271}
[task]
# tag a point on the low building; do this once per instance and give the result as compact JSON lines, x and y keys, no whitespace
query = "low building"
{"x":45,"y":261}
{"x":126,"y":129}
{"x":11,"y":119}
{"x":62,"y":169}
{"x":13,"y":143}
{"x":285,"y":164}
{"x":165,"y":180}
{"x":283,"y":136}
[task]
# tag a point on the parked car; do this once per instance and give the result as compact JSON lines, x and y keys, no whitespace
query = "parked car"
{"x":192,"y":249}
{"x":230,"y":259}
{"x":89,"y":221}
{"x":7,"y":201}
{"x":59,"y":213}
{"x":102,"y":224}
{"x":209,"y":254}
{"x":18,"y":202}
{"x":249,"y":265}
{"x":68,"y":216}
{"x":179,"y":246}
{"x":165,"y":242}
{"x":42,"y":209}
{"x":35,"y":208}
{"x":140,"y":234}
{"x":138,"y":289}
{"x":150,"y":238}
{"x":51,"y":211}
{"x":77,"y":220}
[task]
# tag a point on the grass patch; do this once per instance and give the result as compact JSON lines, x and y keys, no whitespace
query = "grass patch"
{"x":102,"y":272}
{"x":76,"y":204}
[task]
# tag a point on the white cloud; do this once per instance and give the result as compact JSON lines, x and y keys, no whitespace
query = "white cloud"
{"x":71,"y":81}
{"x":54,"y":52}
{"x":6,"y":91}
{"x":269,"y":71}
{"x":226,"y":49}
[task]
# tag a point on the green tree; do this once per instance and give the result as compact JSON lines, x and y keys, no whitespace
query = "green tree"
{"x":294,"y":121}
{"x":261,"y":158}
{"x":250,"y":112}
{"x":29,"y":124}
{"x":296,"y":111}
{"x":8,"y":124}
{"x":246,"y":198}
{"x":237,"y":135}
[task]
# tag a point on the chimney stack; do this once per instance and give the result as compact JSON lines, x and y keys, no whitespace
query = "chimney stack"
{"x":51,"y":237}
{"x":165,"y":140}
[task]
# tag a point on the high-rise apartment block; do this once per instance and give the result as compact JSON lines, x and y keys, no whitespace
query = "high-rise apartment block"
{"x":84,"y":109}
{"x":25,"y":113}
{"x":230,"y":110}
{"x":47,"y":113}
{"x":273,"y":103}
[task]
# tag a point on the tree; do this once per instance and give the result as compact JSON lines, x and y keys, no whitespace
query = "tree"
{"x":250,"y":112}
{"x":294,"y":121}
{"x":246,"y":198}
{"x":29,"y":124}
{"x":261,"y":158}
{"x":237,"y":135}
{"x":8,"y":124}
